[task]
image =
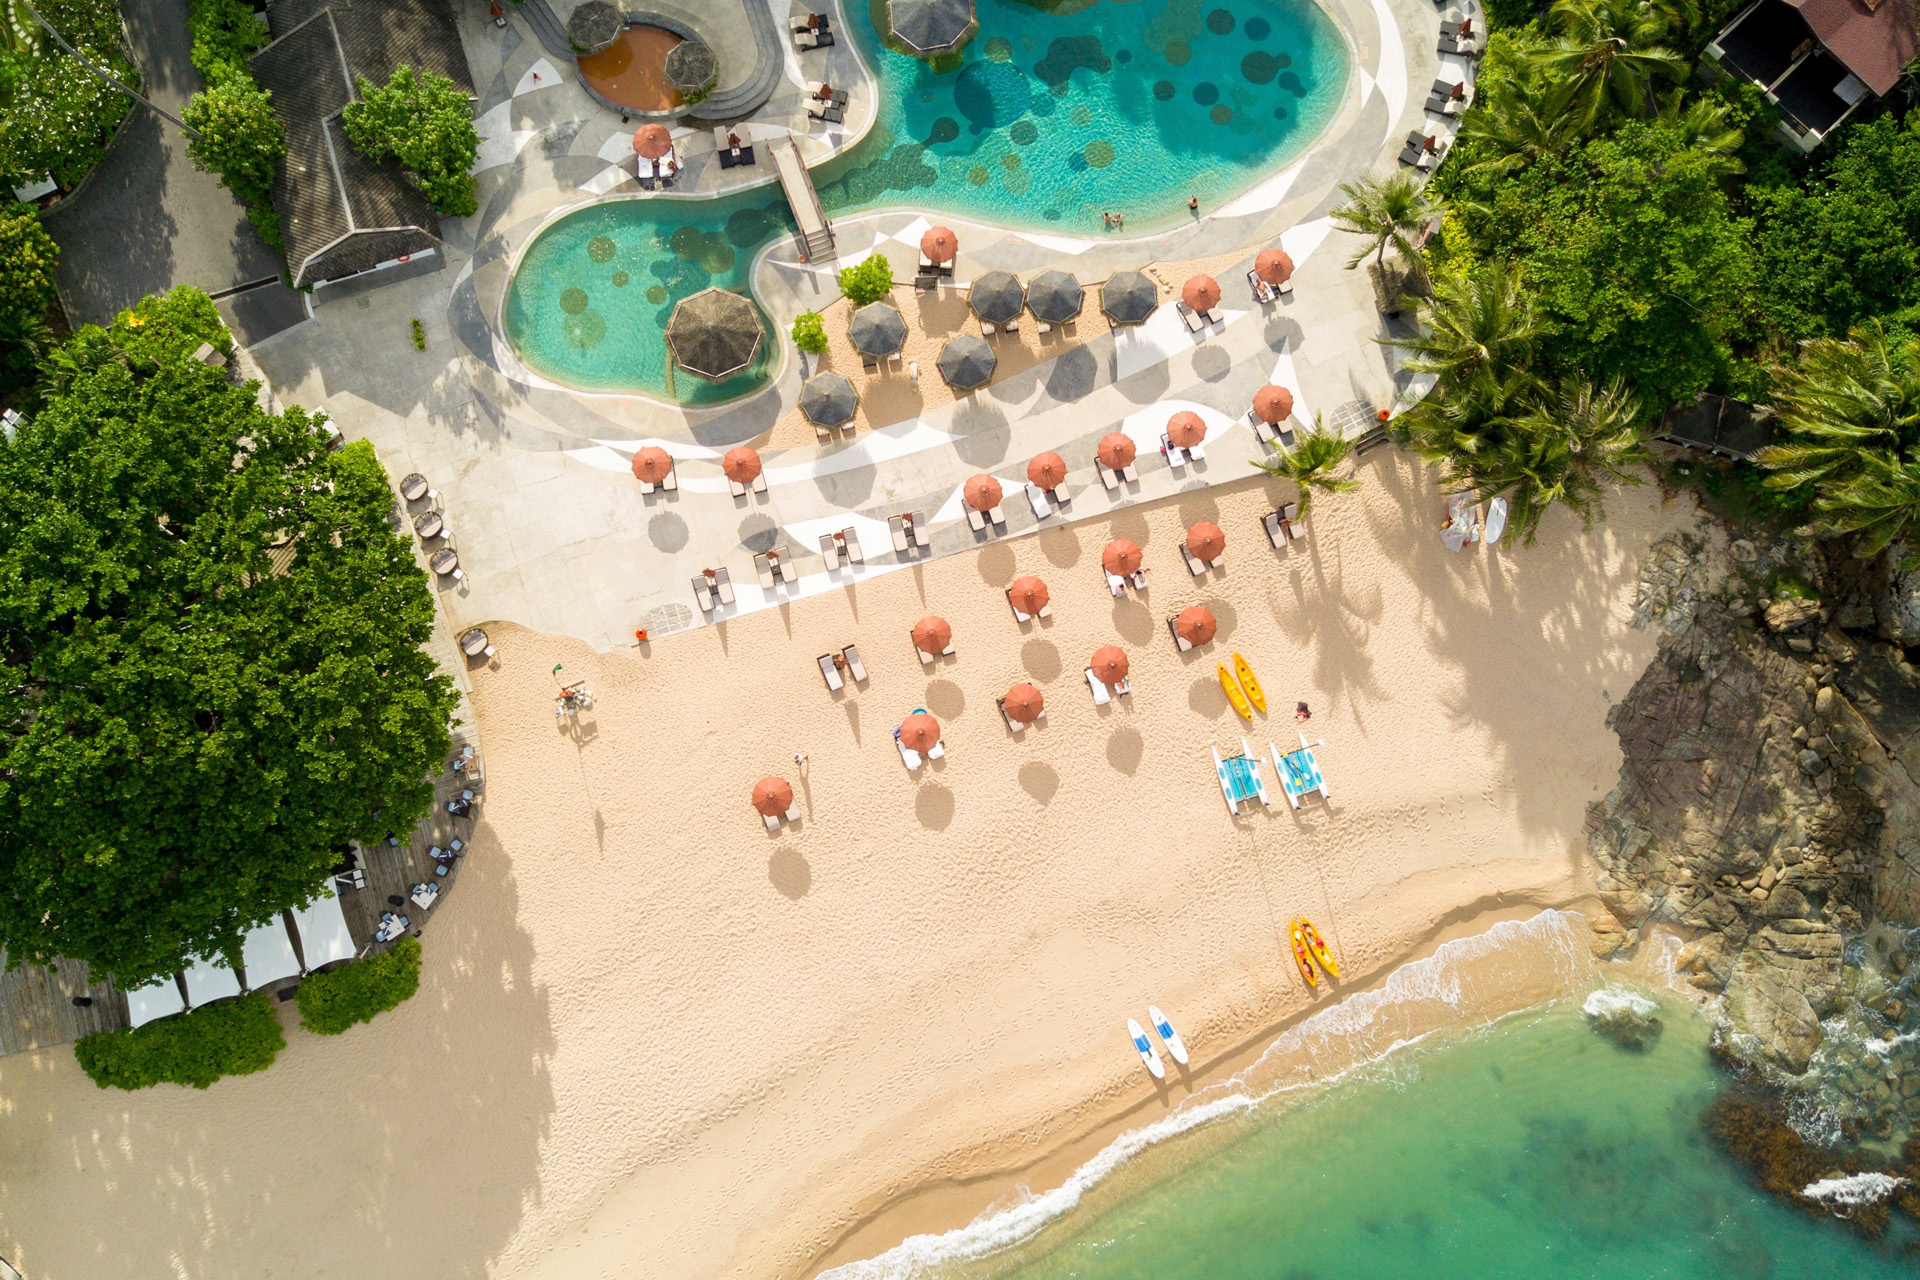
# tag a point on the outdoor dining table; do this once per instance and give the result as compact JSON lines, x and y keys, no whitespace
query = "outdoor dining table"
{"x":445,"y":561}
{"x":425,"y":894}
{"x":429,"y":524}
{"x":414,"y":487}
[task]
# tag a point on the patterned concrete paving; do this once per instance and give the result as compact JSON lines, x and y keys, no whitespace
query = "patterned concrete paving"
{"x":551,"y":528}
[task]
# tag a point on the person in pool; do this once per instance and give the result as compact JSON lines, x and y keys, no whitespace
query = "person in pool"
{"x":1193,"y":204}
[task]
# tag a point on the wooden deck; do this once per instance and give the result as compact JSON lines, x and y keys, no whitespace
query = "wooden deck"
{"x":37,"y":1009}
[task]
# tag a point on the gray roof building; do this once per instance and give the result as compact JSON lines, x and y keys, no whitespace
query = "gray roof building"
{"x":341,"y":213}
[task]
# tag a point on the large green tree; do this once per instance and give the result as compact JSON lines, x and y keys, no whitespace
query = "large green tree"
{"x":425,"y":121}
{"x":241,"y":137}
{"x":56,"y":117}
{"x":211,"y":649}
{"x":1611,"y":54}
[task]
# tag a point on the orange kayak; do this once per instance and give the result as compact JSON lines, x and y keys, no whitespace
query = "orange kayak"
{"x":1302,"y":957}
{"x":1318,"y":946}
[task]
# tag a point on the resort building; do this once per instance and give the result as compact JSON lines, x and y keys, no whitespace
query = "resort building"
{"x":1818,"y":59}
{"x":341,"y":213}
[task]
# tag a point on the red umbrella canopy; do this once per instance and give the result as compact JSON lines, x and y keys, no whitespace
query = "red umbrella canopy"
{"x":1196,"y":625}
{"x":939,"y":244}
{"x":983,"y":492}
{"x":1116,"y":450}
{"x":1274,"y":404}
{"x":920,"y":731}
{"x":1120,"y":557}
{"x":1109,"y":664}
{"x":1029,"y":594}
{"x":932,"y":635}
{"x":1186,"y":428}
{"x":1024,"y":703}
{"x":1206,"y":541}
{"x":652,"y":141}
{"x":1202,"y":293}
{"x":652,"y":464}
{"x":741,"y":464}
{"x":1273,"y":266}
{"x":772,"y":796}
{"x":1047,"y":470}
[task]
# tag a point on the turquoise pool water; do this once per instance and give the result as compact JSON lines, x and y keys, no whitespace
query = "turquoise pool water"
{"x":1531,"y":1150}
{"x":1056,"y":111}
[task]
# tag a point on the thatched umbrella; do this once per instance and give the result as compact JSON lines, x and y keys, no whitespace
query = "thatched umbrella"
{"x":1120,"y":557}
{"x":939,"y":244}
{"x":1047,"y":470}
{"x":652,"y":464}
{"x":1128,"y":297}
{"x":1055,"y":297}
{"x":1206,"y":542}
{"x":920,"y":732}
{"x":741,"y":465}
{"x":997,"y":297}
{"x":932,"y":635}
{"x":1202,"y":293}
{"x":651,"y":141}
{"x":828,"y":400}
{"x":1024,"y":704}
{"x":1273,"y":266}
{"x":1273,"y":404}
{"x":1109,"y":664}
{"x":1029,"y":595}
{"x":967,"y":362}
{"x":690,"y":67}
{"x":1196,"y":625}
{"x":773,"y":796}
{"x":1186,"y":428}
{"x":931,"y":27}
{"x":714,"y":334}
{"x":1116,"y":450}
{"x":877,"y":329}
{"x":982,"y":492}
{"x":594,"y":27}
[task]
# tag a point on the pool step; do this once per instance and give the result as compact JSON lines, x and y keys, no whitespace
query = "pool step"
{"x":547,"y":28}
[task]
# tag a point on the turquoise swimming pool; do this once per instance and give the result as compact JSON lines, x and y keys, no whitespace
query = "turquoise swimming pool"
{"x":1057,"y":111}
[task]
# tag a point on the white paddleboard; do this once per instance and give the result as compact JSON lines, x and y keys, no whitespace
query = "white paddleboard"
{"x":1168,"y":1035}
{"x":1145,"y":1046}
{"x":1496,"y":520}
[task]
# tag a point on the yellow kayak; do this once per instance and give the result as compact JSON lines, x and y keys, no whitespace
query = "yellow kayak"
{"x":1318,"y":945}
{"x":1255,"y":694}
{"x":1300,"y":955}
{"x":1237,"y":698}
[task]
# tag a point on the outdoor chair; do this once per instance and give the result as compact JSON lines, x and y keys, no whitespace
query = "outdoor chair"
{"x":830,"y":673}
{"x":1101,"y":695}
{"x":703,"y":592}
{"x":723,"y":586}
{"x":1180,"y":642}
{"x":1275,"y":534}
{"x":1195,"y":565}
{"x":736,"y":488}
{"x":1176,"y":456}
{"x":921,"y":537}
{"x":830,"y":549}
{"x":852,"y":654}
{"x":909,"y":756}
{"x":1037,"y":498}
{"x":852,"y":540}
{"x":764,"y":570}
{"x":898,"y":528}
{"x":1116,"y":584}
{"x":783,"y":565}
{"x":1263,"y":431}
{"x":1017,"y":615}
{"x":1190,"y":317}
{"x":996,"y":515}
{"x":976,"y":520}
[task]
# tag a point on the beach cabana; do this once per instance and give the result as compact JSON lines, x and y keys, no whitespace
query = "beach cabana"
{"x":1023,"y":704}
{"x":877,"y":330}
{"x":1196,"y":625}
{"x":1205,"y":541}
{"x":208,"y":981}
{"x":266,"y":953}
{"x":1109,"y":664}
{"x":714,"y":334}
{"x":1055,"y":297}
{"x":939,"y":245}
{"x":1128,"y":297}
{"x":1186,"y":429}
{"x":324,"y":936}
{"x":828,"y":400}
{"x":1047,"y":470}
{"x":1120,"y":558}
{"x":652,"y":464}
{"x":967,"y":362}
{"x":651,"y":141}
{"x":931,"y":27}
{"x":1273,"y":404}
{"x":997,"y":297}
{"x":1202,"y":293}
{"x":1273,"y":266}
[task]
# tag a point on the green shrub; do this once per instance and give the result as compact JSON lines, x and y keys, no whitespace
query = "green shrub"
{"x":419,"y":335}
{"x":809,"y":334}
{"x":225,"y":35}
{"x":333,"y":1001}
{"x":425,"y":121}
{"x":28,"y":256}
{"x":241,"y":137}
{"x":232,"y":1038}
{"x":869,"y":282}
{"x":56,"y":117}
{"x":162,"y":327}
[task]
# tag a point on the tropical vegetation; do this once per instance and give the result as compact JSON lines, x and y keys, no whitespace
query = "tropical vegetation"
{"x":56,"y":117}
{"x":1311,"y":464}
{"x":211,"y":651}
{"x":28,"y":257}
{"x":869,"y":280}
{"x":242,"y":138}
{"x":425,"y":121}
{"x":809,"y":333}
{"x":333,"y":1001}
{"x":227,"y":1038}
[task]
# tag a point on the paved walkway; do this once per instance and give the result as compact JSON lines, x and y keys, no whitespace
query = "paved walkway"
{"x":551,"y":528}
{"x":147,"y":220}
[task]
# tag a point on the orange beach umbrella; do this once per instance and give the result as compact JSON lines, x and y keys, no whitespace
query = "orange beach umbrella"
{"x":652,"y":141}
{"x":652,"y":464}
{"x":1273,"y":404}
{"x":1186,"y":428}
{"x":1273,"y":266}
{"x":920,"y":732}
{"x":1109,"y":664}
{"x":1116,"y":450}
{"x":741,"y":465}
{"x":1029,"y":595}
{"x":932,"y":635}
{"x":939,"y":244}
{"x":1120,"y":557}
{"x":1196,"y":625}
{"x":1024,"y":703}
{"x":1206,"y":541}
{"x":1202,"y":293}
{"x":1047,"y":470}
{"x":982,"y":492}
{"x":772,"y":796}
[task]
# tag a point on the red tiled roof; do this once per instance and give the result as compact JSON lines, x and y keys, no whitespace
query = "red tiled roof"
{"x":1873,"y":40}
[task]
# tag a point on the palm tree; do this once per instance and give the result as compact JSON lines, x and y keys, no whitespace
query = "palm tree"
{"x":1385,"y":213}
{"x":1569,"y":447}
{"x":1609,"y":51}
{"x":1881,"y":501}
{"x":1518,"y":127}
{"x":1704,"y":126}
{"x":1478,"y":337}
{"x":1310,"y":464}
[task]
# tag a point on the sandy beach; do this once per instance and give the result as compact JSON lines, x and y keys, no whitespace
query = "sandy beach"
{"x":653,"y":1040}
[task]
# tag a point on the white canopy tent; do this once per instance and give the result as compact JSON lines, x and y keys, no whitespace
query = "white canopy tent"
{"x":207,"y":981}
{"x":155,"y":1000}
{"x":324,"y":937}
{"x":267,"y":955}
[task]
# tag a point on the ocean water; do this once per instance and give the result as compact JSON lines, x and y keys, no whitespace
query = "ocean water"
{"x":1529,"y":1148}
{"x":1057,"y":111}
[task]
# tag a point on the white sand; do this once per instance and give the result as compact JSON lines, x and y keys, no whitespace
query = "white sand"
{"x":653,"y":1041}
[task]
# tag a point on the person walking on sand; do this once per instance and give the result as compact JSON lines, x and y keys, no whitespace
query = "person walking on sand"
{"x":800,"y":759}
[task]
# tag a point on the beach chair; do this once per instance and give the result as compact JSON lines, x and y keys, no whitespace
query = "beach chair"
{"x":996,"y":515}
{"x":852,"y":654}
{"x":1115,"y":583}
{"x":671,"y":480}
{"x":1059,"y":497}
{"x":1290,"y":521}
{"x":1196,"y":453}
{"x":647,"y":486}
{"x":976,"y":520}
{"x":830,"y":673}
{"x":723,"y":586}
{"x":986,"y":330}
{"x":1017,"y":615}
{"x":921,"y":537}
{"x":908,"y":756}
{"x":1262,"y":429}
{"x":830,"y":551}
{"x":1275,"y":534}
{"x":1195,"y":565}
{"x":1101,"y":695}
{"x":852,"y":540}
{"x":1140,"y":578}
{"x":1037,"y":498}
{"x":1108,"y":476}
{"x":898,"y":528}
{"x":764,"y":569}
{"x":772,"y":820}
{"x":784,"y":566}
{"x":760,"y":483}
{"x":822,"y":434}
{"x":1179,"y":641}
{"x":1190,"y":317}
{"x":938,"y":750}
{"x":703,"y":592}
{"x":1011,"y":326}
{"x":1176,"y":456}
{"x":1014,"y":727}
{"x":737,"y":489}
{"x":1041,"y":326}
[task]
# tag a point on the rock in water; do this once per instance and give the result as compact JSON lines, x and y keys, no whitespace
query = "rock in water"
{"x":1625,"y":1017}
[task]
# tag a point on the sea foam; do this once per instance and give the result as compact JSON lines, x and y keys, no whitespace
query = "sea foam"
{"x":1855,"y":1191}
{"x":1611,"y":1001}
{"x":1466,"y":982}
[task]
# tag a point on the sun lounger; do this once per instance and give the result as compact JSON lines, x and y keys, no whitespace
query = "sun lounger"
{"x":1059,"y":497}
{"x":838,"y":97}
{"x":764,"y":569}
{"x":1037,"y":498}
{"x":1101,"y":694}
{"x":1195,"y":565}
{"x":1275,"y":534}
{"x":976,"y":520}
{"x":772,"y":820}
{"x":671,"y":480}
{"x":996,"y":515}
{"x":830,"y":551}
{"x":1196,"y":453}
{"x":647,"y":486}
{"x":1290,"y":520}
{"x":760,"y":483}
{"x":736,"y":488}
{"x":784,"y":566}
{"x":921,"y":537}
{"x":938,"y":750}
{"x":1176,"y":456}
{"x":1262,"y":429}
{"x":1116,"y":583}
{"x":807,"y":22}
{"x":852,"y":654}
{"x":852,"y":540}
{"x":1108,"y":476}
{"x":805,"y":40}
{"x":830,"y":673}
{"x":703,"y":592}
{"x":898,"y":528}
{"x":723,"y":586}
{"x":907,"y":754}
{"x":986,"y":330}
{"x":1189,"y":317}
{"x":1179,"y":641}
{"x":1017,"y":615}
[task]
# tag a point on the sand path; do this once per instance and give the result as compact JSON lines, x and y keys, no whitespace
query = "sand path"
{"x":652,"y":1040}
